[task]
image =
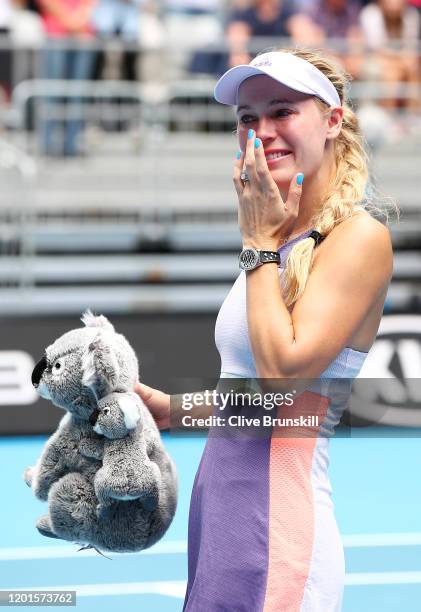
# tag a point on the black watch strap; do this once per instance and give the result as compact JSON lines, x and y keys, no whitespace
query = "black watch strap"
{"x":269,"y":256}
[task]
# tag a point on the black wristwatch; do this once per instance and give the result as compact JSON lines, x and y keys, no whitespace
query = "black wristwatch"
{"x":251,"y":258}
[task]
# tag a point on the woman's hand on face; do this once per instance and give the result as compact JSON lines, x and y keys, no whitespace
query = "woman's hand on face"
{"x":158,"y":403}
{"x":263,"y":217}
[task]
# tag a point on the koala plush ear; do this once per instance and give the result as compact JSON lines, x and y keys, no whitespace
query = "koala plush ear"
{"x":130,"y":409}
{"x":100,"y":369}
{"x":91,"y":320}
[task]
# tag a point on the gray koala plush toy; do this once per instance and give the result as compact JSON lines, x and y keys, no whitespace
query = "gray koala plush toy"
{"x":109,"y":482}
{"x":130,"y":431}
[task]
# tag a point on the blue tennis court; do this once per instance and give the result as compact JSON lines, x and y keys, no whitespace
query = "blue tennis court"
{"x":377,"y":492}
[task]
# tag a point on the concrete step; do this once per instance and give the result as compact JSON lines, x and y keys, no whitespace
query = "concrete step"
{"x":196,"y":297}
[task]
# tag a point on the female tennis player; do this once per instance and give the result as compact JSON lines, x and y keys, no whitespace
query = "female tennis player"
{"x":316,"y":265}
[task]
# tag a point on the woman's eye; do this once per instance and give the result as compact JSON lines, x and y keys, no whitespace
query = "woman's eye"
{"x":282,"y":112}
{"x":246,"y":119}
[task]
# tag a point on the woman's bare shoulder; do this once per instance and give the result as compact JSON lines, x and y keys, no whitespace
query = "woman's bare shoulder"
{"x":361,"y":233}
{"x":361,"y":222}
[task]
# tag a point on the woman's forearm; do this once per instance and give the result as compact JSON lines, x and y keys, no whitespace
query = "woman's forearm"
{"x":270,"y":325}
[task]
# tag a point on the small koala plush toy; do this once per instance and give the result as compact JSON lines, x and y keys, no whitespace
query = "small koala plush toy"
{"x":109,"y":482}
{"x":130,"y":433}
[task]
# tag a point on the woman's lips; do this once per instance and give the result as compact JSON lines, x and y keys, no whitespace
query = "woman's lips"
{"x":273,"y":161}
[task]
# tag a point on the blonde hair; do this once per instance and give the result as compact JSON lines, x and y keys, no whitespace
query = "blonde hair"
{"x":350,"y":189}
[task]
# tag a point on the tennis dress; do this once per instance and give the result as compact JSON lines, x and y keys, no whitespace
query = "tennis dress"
{"x":262,"y":530}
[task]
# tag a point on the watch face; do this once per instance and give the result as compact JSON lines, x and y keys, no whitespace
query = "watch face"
{"x":249,"y":258}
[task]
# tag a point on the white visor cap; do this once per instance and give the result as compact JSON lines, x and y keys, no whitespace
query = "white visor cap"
{"x":286,"y":68}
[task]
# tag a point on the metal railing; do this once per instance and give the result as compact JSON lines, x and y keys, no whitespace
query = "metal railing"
{"x":18,"y":172}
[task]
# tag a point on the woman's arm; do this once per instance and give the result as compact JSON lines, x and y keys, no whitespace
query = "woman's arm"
{"x":350,"y":275}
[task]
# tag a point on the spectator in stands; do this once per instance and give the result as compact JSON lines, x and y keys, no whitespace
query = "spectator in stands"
{"x":264,"y":19}
{"x":27,"y":37}
{"x":391,"y":29}
{"x":337,"y":20}
{"x":67,"y":55}
{"x":26,"y":25}
{"x":202,"y":20}
{"x":120,"y":18}
{"x":20,"y":27}
{"x":152,"y":41}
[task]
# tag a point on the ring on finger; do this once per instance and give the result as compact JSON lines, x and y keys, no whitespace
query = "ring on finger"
{"x":244,"y":177}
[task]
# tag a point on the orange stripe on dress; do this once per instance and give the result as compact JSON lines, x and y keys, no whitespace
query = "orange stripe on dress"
{"x":291,"y":509}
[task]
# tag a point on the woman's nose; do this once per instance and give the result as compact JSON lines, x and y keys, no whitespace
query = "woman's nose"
{"x":265,"y":129}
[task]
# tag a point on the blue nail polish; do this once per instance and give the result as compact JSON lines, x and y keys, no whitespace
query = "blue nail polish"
{"x":257,"y":142}
{"x":238,"y":154}
{"x":300,"y":178}
{"x":250,"y":134}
